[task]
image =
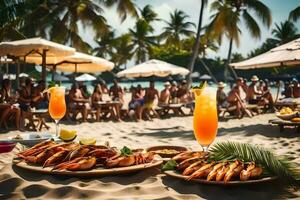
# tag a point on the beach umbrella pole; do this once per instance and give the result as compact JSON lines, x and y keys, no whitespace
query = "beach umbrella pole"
{"x":44,"y":65}
{"x":75,"y":73}
{"x":17,"y":74}
{"x":53,"y":72}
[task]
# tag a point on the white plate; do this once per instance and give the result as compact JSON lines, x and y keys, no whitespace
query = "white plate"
{"x":30,"y":139}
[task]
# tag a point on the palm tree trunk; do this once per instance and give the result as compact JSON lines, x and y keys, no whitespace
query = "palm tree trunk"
{"x":227,"y":66}
{"x":196,"y":44}
{"x":208,"y":71}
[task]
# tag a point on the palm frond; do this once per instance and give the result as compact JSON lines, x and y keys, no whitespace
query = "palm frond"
{"x":274,"y":165}
{"x":251,"y":24}
{"x":295,"y":14}
{"x":261,"y":10}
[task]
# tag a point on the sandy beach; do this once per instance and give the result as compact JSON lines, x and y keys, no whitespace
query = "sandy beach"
{"x":151,"y":184}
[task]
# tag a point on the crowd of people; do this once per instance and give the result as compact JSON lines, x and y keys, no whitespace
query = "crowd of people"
{"x":16,"y":106}
{"x":256,"y":93}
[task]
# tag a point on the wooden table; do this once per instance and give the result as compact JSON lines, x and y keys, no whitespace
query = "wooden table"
{"x":291,"y":104}
{"x":283,"y":123}
{"x":176,"y":107}
{"x":108,"y":104}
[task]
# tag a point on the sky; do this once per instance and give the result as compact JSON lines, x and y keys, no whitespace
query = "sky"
{"x":279,"y":8}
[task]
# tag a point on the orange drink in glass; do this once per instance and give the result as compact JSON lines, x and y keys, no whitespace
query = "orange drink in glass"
{"x":57,"y":104}
{"x":205,"y":119}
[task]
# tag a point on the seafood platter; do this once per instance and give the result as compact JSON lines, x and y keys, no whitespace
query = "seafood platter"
{"x":77,"y":159}
{"x":197,"y":167}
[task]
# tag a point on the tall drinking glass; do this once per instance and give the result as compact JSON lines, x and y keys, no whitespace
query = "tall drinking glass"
{"x":57,"y":105}
{"x":205,"y":117}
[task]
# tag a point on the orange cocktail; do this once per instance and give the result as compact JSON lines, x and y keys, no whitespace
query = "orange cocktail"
{"x":57,"y":104}
{"x":205,"y":117}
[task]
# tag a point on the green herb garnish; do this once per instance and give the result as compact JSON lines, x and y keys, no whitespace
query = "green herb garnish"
{"x":170,"y":165}
{"x":125,"y":151}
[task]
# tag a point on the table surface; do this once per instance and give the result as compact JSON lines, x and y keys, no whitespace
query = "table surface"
{"x":107,"y":102}
{"x":283,"y":122}
{"x":39,"y":111}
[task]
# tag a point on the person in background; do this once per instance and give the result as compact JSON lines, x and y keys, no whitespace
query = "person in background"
{"x":86,"y":94}
{"x":165,"y":94}
{"x":288,"y":91}
{"x":266,"y":97}
{"x":295,"y":88}
{"x":77,"y":101}
{"x":137,"y":101}
{"x":150,"y":96}
{"x":254,"y":93}
{"x":173,"y":92}
{"x":40,"y":100}
{"x":234,"y":99}
{"x":10,"y":109}
{"x":221,"y":97}
{"x":25,"y":95}
{"x":104,"y":88}
{"x":117,"y":94}
{"x":97,"y":97}
{"x":182,"y":92}
{"x":243,"y":88}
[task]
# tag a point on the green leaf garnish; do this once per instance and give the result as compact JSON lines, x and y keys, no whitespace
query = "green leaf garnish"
{"x":170,"y":165}
{"x":201,"y":85}
{"x":281,"y":167}
{"x":125,"y":151}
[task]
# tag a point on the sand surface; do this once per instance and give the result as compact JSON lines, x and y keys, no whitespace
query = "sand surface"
{"x":152,"y":184}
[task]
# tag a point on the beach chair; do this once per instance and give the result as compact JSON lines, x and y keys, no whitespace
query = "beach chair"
{"x":39,"y":116}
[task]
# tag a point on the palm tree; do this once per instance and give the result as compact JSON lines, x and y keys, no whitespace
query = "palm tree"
{"x":227,"y":19}
{"x":206,"y":42}
{"x":11,"y":13}
{"x":177,"y":27}
{"x":295,"y":14}
{"x":105,"y":45}
{"x":197,"y":42}
{"x":123,"y":50}
{"x":66,"y":15}
{"x":148,"y":14}
{"x":141,"y":40}
{"x":237,"y":57}
{"x":285,"y":32}
{"x":124,"y":7}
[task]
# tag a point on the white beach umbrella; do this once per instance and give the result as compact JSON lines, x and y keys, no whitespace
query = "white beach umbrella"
{"x":287,"y":54}
{"x":35,"y":47}
{"x":153,"y":68}
{"x":5,"y":60}
{"x":85,"y":77}
{"x":205,"y":77}
{"x":78,"y":62}
{"x":9,"y":76}
{"x":195,"y":74}
{"x":23,"y":75}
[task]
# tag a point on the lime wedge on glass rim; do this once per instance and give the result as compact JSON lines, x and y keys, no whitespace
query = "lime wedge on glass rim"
{"x":197,"y":90}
